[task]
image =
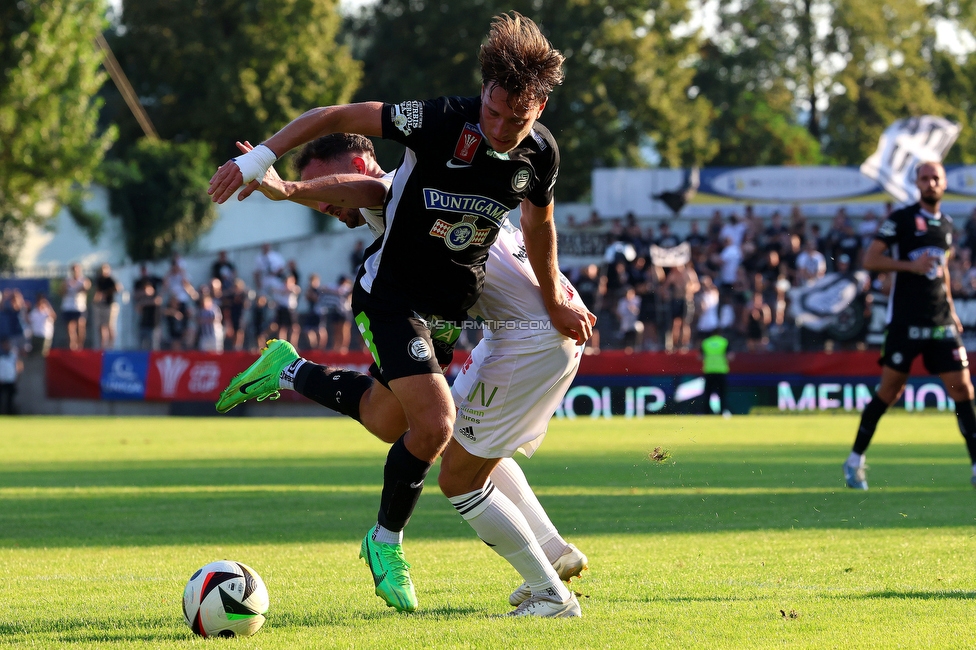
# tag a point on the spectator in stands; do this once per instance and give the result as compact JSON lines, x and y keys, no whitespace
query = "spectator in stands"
{"x":631,"y":328}
{"x":798,"y":222}
{"x":730,"y":258}
{"x":339,"y":315}
{"x":269,"y":269}
{"x":756,"y":320}
{"x":666,"y":239}
{"x":178,"y":286}
{"x":74,"y":306}
{"x":594,"y":220}
{"x":592,"y":288}
{"x":695,"y":239}
{"x":105,"y":308}
{"x":292,"y":269}
{"x":734,"y":229}
{"x":234,"y":305}
{"x":175,"y":317}
{"x":782,"y":289}
{"x":866,"y":229}
{"x":223,"y":269}
{"x":210,"y":327}
{"x":715,"y":225}
{"x":313,"y":321}
{"x":790,"y":257}
{"x":13,"y":317}
{"x":146,"y":277}
{"x":708,"y":306}
{"x":10,"y":368}
{"x":285,"y":324}
{"x":810,"y":264}
{"x":149,"y":307}
{"x":680,"y":287}
{"x":259,"y":320}
{"x":41,"y":318}
{"x":773,"y":234}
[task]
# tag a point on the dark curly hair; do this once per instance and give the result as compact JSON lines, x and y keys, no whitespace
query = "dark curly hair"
{"x":519,"y":59}
{"x":329,"y":147}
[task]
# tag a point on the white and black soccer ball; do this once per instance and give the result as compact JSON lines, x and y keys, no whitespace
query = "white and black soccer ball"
{"x":225,"y":599}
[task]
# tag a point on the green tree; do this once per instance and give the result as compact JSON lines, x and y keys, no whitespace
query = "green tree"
{"x":888,"y":50}
{"x":627,"y":84}
{"x":842,"y":70}
{"x":160,"y":195}
{"x":222,"y":70}
{"x":50,"y":143}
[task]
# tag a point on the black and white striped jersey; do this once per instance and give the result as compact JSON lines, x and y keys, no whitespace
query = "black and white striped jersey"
{"x":449,"y":196}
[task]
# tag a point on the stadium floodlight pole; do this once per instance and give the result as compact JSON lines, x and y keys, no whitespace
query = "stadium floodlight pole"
{"x":125,"y":88}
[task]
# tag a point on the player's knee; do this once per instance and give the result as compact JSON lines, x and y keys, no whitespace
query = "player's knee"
{"x":960,"y":392}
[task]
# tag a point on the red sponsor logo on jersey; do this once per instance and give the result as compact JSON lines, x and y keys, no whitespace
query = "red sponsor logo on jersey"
{"x":920,"y":224}
{"x":467,"y":144}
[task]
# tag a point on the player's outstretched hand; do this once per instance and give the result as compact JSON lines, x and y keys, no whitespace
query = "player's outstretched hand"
{"x":271,"y":185}
{"x":573,"y":321}
{"x":225,"y":182}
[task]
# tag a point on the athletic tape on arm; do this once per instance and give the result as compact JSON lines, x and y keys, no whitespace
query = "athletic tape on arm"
{"x":255,"y":162}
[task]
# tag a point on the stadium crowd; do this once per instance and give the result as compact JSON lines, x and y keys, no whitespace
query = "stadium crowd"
{"x":737,"y":278}
{"x":739,"y":273}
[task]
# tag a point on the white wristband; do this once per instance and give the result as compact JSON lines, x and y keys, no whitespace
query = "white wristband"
{"x":255,"y":162}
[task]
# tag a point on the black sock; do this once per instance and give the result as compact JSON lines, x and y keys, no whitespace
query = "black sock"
{"x":869,"y":422}
{"x":966,"y":416}
{"x":339,"y":390}
{"x":403,"y":481}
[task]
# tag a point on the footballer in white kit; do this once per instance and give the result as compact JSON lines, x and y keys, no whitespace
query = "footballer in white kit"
{"x":516,"y":377}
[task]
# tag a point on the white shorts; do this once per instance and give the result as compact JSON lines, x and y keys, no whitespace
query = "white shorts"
{"x":505,"y":401}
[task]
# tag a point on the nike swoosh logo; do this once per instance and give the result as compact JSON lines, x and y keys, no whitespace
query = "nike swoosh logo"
{"x":378,"y":578}
{"x":453,"y":165}
{"x":417,"y":484}
{"x":244,"y":387}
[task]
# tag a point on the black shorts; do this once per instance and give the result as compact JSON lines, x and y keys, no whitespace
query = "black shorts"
{"x":941,"y":349}
{"x":679,"y":308}
{"x":403,"y":343}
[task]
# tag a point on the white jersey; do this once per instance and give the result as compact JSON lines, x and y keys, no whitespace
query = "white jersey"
{"x":511,"y":303}
{"x":375,"y":217}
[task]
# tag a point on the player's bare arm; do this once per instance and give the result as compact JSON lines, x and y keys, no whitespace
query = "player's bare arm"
{"x":876,"y":259}
{"x":539,"y":232}
{"x":948,"y":291}
{"x":363,"y":119}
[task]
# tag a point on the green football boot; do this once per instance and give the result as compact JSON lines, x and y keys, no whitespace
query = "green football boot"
{"x":391,"y":573}
{"x":260,"y":380}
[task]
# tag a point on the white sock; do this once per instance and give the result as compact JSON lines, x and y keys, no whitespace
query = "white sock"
{"x":286,"y":379}
{"x":387,"y":536}
{"x":510,"y":480}
{"x":855,"y":460}
{"x":499,"y":524}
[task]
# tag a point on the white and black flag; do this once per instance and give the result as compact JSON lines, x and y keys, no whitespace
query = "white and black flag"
{"x":904,"y":145}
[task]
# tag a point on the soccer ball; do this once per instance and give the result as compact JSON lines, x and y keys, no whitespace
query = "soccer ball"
{"x":225,"y":599}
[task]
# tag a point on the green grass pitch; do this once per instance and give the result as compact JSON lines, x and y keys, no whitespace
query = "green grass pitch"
{"x":743,"y":537}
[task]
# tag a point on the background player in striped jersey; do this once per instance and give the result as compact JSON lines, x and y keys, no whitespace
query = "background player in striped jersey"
{"x":922,"y":318}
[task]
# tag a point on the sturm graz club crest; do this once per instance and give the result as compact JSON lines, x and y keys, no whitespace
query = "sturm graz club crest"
{"x":419,"y":349}
{"x":521,"y":179}
{"x":460,"y":235}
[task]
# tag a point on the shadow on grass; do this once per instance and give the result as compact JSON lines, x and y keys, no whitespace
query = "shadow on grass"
{"x":99,"y":629}
{"x":335,"y":499}
{"x":921,"y":595}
